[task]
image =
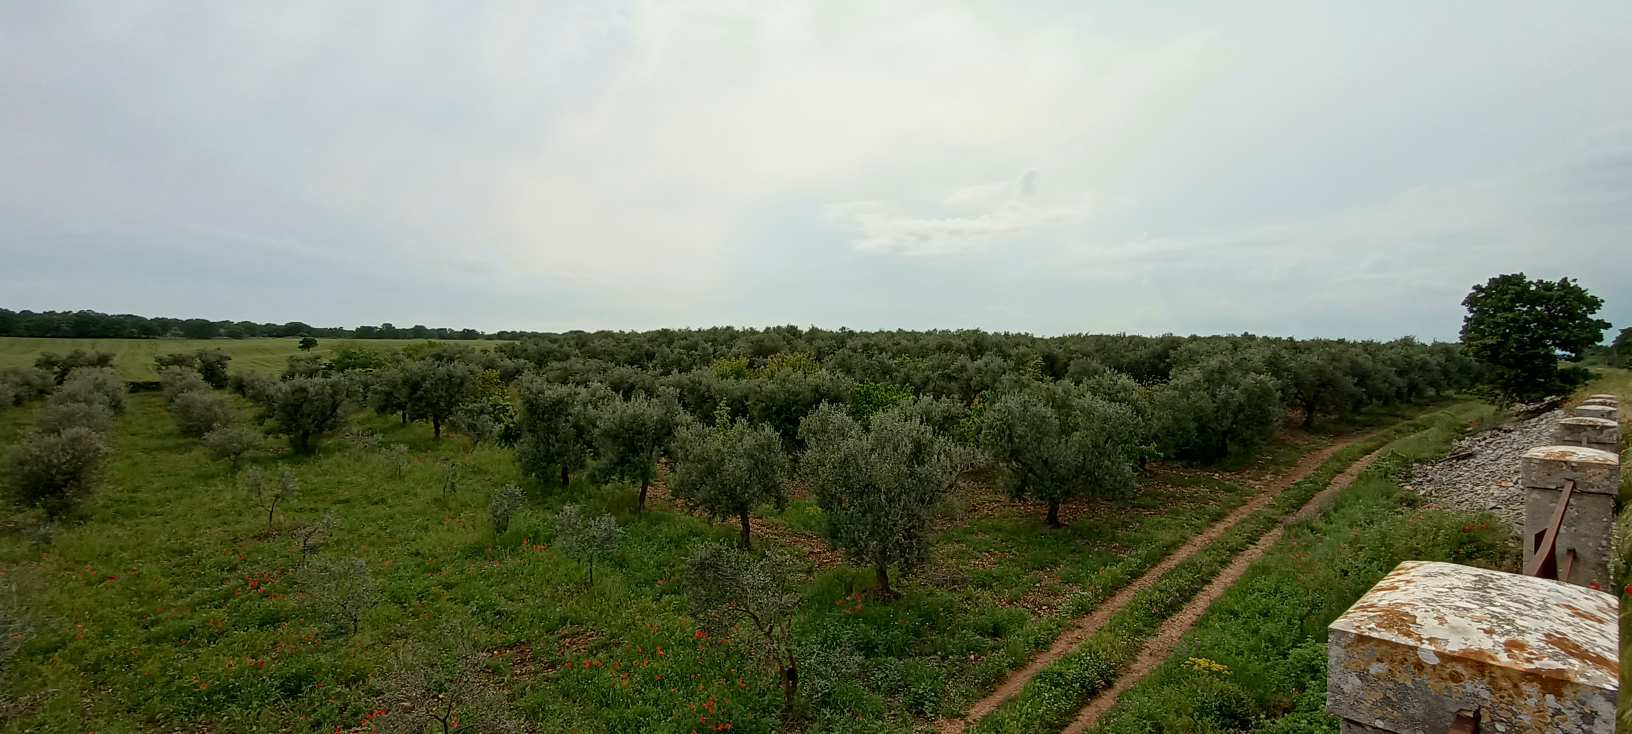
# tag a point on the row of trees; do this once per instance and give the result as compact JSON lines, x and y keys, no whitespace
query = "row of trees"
{"x":86,"y":324}
{"x":57,"y":462}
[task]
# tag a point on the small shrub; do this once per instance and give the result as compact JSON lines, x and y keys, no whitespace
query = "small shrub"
{"x":314,"y":535}
{"x":175,"y":380}
{"x":731,"y":589}
{"x":506,"y":501}
{"x":450,"y":481}
{"x":27,"y":383}
{"x":343,"y":589}
{"x":440,"y":684}
{"x":200,"y":411}
{"x":55,"y":470}
{"x":59,"y":366}
{"x":14,"y":626}
{"x":268,"y":494}
{"x":59,"y":416}
{"x":257,"y":388}
{"x":586,"y":539}
{"x":8,"y":396}
{"x":396,"y":456}
{"x":232,"y":442}
{"x":99,"y":385}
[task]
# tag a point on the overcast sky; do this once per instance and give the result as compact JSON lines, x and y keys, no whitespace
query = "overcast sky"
{"x":1301,"y":168}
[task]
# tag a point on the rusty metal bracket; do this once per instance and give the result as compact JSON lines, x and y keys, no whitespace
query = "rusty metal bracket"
{"x":1544,"y":560}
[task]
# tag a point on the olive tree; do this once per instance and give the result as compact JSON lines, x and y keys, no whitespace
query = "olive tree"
{"x":61,"y":365}
{"x":231,"y":442}
{"x":728,"y":468}
{"x":1057,"y":441}
{"x":630,"y":435}
{"x":54,"y":470}
{"x":59,"y":416}
{"x":175,"y":380}
{"x":435,"y":389}
{"x":198,"y":412}
{"x":731,"y":590}
{"x":555,"y":427}
{"x":268,"y":494}
{"x":343,"y":589}
{"x":507,"y":500}
{"x":27,"y":383}
{"x":99,"y":385}
{"x":1217,"y":407}
{"x":586,"y":539}
{"x":439,"y":683}
{"x":305,"y":408}
{"x":877,"y":486}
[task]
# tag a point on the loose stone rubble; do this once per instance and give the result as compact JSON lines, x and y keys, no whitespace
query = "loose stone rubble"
{"x":1481,"y":473}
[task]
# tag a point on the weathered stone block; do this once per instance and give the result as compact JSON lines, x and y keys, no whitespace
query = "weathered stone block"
{"x":1431,"y":638}
{"x":1597,"y":411}
{"x":1585,"y":529}
{"x":1593,"y":433}
{"x":1611,"y":402}
{"x":1604,"y":395}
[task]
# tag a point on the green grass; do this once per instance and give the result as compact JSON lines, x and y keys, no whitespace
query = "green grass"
{"x":167,"y":604}
{"x":1051,"y":699}
{"x":134,"y":357}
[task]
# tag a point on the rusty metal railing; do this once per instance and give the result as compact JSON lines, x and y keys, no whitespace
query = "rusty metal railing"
{"x":1544,"y":557}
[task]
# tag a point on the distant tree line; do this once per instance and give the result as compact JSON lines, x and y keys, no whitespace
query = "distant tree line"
{"x":96,"y":325}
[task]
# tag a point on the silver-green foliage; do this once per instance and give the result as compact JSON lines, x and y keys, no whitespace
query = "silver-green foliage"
{"x":728,"y":468}
{"x":733,"y":589}
{"x":630,"y":434}
{"x":555,"y":426}
{"x":198,"y":412}
{"x":343,"y":589}
{"x":58,"y":416}
{"x":586,"y":538}
{"x":176,"y":380}
{"x":438,"y":683}
{"x":268,"y":494}
{"x":306,"y":408}
{"x":507,"y":500}
{"x":232,"y":442}
{"x":54,"y":470}
{"x":1058,"y":441}
{"x":878,"y":486}
{"x":1219,"y":406}
{"x":98,"y":385}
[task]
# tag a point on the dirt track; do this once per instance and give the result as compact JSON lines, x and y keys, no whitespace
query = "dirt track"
{"x":1086,"y":625}
{"x":1162,"y":644}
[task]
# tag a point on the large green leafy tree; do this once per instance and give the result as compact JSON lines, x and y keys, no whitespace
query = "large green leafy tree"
{"x":305,"y":408}
{"x":878,"y":485}
{"x":1058,"y":441}
{"x":1521,"y":328}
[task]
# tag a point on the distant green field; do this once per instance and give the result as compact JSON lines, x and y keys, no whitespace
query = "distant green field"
{"x":134,"y":357}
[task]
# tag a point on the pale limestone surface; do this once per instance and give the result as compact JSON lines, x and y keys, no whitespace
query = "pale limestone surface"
{"x":1583,"y":540}
{"x":1593,"y":433}
{"x":1597,"y":411}
{"x":1432,"y":638}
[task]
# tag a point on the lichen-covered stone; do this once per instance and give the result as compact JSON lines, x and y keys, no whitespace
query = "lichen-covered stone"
{"x":1611,"y":402}
{"x":1597,"y":411}
{"x":1592,"y":433}
{"x":1603,"y":396}
{"x":1432,"y":638}
{"x":1583,"y":537}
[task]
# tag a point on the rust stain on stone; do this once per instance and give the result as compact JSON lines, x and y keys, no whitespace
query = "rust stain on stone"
{"x":1580,"y":613}
{"x":1574,"y":649}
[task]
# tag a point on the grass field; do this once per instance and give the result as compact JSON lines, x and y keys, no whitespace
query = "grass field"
{"x":134,"y":357}
{"x":170,"y":604}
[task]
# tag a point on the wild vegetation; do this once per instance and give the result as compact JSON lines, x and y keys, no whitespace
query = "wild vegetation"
{"x":718,"y":529}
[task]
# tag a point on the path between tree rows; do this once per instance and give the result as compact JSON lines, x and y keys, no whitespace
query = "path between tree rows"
{"x":1161,"y":645}
{"x":1086,"y":625}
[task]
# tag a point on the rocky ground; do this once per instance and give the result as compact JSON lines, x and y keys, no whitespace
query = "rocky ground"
{"x":1482,"y":471}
